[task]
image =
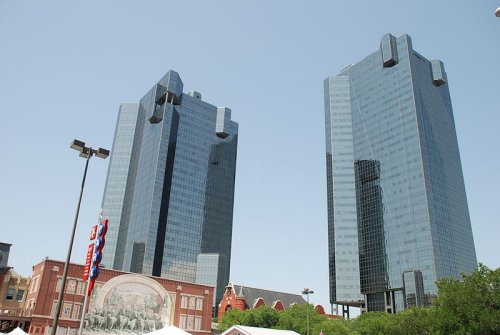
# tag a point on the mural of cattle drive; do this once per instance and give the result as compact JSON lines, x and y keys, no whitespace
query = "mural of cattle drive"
{"x":129,"y":304}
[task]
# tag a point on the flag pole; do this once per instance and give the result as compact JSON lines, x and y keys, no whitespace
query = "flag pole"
{"x":85,"y":302}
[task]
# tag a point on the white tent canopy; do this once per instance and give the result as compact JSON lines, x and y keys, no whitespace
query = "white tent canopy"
{"x":168,"y":330}
{"x":18,"y":331}
{"x":246,"y":330}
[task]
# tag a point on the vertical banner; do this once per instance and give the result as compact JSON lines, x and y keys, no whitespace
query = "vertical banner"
{"x":88,"y":260}
{"x":94,"y":255}
{"x":97,"y":254}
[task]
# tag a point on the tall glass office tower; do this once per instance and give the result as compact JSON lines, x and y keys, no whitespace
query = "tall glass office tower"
{"x":170,"y":187}
{"x":398,"y":218}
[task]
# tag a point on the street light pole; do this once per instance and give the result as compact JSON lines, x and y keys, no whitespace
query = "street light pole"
{"x":85,"y":152}
{"x":307,"y":291}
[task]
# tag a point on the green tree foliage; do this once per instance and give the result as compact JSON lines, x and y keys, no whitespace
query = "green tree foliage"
{"x":331,"y":327}
{"x":263,"y":317}
{"x":295,"y":318}
{"x":231,"y":318}
{"x":470,"y":306}
{"x":413,"y":321}
{"x":375,"y":323}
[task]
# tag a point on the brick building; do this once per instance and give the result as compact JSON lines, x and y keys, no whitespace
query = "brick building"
{"x":244,"y":298}
{"x":13,"y":288}
{"x":121,"y":303}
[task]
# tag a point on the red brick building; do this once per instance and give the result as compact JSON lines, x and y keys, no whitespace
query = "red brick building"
{"x":121,"y":303}
{"x":243,"y":298}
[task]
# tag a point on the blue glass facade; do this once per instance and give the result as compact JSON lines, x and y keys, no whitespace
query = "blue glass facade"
{"x":396,"y":195}
{"x":170,"y":188}
{"x":210,"y":271}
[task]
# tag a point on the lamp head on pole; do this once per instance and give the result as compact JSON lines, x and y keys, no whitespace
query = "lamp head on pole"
{"x":77,"y":145}
{"x":102,"y":153}
{"x":307,"y":291}
{"x":87,"y":152}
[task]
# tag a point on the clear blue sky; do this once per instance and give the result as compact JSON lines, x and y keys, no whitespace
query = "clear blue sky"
{"x":65,"y":67}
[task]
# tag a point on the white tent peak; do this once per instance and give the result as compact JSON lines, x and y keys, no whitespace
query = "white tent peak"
{"x":246,"y":330}
{"x":17,"y":331}
{"x":168,"y":330}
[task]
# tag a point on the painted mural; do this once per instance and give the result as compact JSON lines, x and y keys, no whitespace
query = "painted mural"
{"x":129,"y":304}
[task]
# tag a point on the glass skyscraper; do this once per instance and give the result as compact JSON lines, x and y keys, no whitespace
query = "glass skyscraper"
{"x":169,"y":192}
{"x":398,"y":218}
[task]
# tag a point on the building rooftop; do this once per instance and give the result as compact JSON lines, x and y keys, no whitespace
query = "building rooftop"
{"x":252,"y":294}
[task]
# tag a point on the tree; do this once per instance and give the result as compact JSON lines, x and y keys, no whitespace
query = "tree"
{"x":263,"y":317}
{"x":295,"y":318}
{"x":414,"y":321}
{"x":332,"y":327}
{"x":373,"y":323}
{"x":266,"y":317}
{"x":470,"y":306}
{"x":231,"y":318}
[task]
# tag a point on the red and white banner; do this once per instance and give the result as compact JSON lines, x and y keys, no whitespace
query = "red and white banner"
{"x":93,"y":232}
{"x":88,"y":261}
